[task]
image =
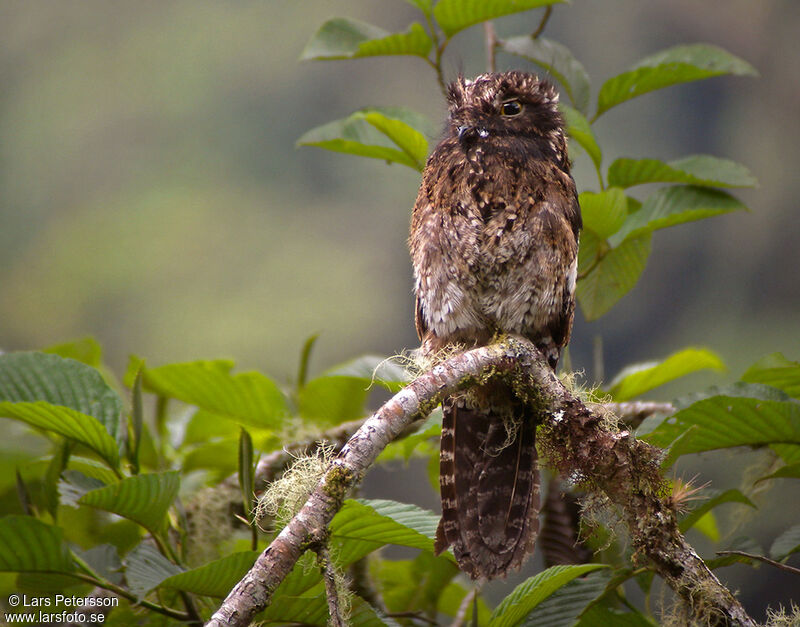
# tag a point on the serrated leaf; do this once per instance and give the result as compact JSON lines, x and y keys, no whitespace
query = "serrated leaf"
{"x":670,"y":206}
{"x":29,"y":545}
{"x":777,"y":371}
{"x":74,"y":485}
{"x":72,"y":424}
{"x":362,"y":526}
{"x":146,"y":568}
{"x":30,"y":377}
{"x":603,"y":212}
{"x":249,"y":398}
{"x":327,"y":401}
{"x":703,"y":170}
{"x":344,"y":38}
{"x":728,"y":496}
{"x":579,"y":129}
{"x":786,"y":544}
{"x":393,"y":134}
{"x":640,"y":378}
{"x":681,"y":64}
{"x":558,"y":61}
{"x":144,"y":498}
{"x":564,"y":606}
{"x":214,"y":579}
{"x":456,"y":15}
{"x":727,"y":421}
{"x":526,"y":596}
{"x":613,"y":277}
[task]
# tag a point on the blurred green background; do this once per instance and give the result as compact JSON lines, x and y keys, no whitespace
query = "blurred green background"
{"x":151,"y":194}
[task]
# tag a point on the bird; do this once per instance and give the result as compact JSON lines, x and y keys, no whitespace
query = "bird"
{"x":494,"y":249}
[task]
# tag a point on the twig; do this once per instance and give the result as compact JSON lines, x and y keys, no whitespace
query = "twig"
{"x":491,"y":46}
{"x":633,"y":413}
{"x":461,"y":615}
{"x":335,"y":618}
{"x":761,"y":558}
{"x":580,"y":442}
{"x":540,"y":29}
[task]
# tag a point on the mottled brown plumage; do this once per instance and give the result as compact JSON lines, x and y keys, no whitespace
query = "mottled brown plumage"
{"x":494,"y":242}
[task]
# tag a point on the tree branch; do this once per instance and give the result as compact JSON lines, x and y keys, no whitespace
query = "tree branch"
{"x":578,"y":442}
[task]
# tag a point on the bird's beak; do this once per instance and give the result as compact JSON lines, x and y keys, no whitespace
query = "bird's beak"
{"x":468,"y":134}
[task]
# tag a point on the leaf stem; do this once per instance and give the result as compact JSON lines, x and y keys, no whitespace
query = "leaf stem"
{"x":539,"y":29}
{"x":97,"y":580}
{"x":491,"y":46}
{"x":761,"y":558}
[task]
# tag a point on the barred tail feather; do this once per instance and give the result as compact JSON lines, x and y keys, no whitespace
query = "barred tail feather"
{"x":489,"y":487}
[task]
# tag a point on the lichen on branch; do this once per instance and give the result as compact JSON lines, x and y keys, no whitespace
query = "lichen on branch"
{"x":580,"y":441}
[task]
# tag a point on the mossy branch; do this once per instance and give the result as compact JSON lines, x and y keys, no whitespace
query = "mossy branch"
{"x":579,"y":441}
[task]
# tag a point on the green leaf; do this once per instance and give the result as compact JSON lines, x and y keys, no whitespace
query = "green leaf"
{"x":531,"y":592}
{"x":790,"y":471}
{"x":146,"y":568}
{"x":777,"y":371}
{"x":579,"y":129}
{"x":426,"y":6}
{"x":640,"y":378}
{"x":613,"y":277}
{"x":393,"y":134}
{"x":681,"y":64}
{"x":405,"y":136}
{"x":786,"y":544}
{"x":29,"y":377}
{"x":214,"y":579}
{"x":144,"y":499}
{"x":702,"y":170}
{"x":86,"y":350}
{"x":600,"y":616}
{"x":362,"y":526}
{"x":327,"y":401}
{"x":343,"y":38}
{"x":565,"y":605}
{"x":414,"y":585}
{"x":604,"y":212}
{"x":452,"y":598}
{"x":249,"y":398}
{"x":67,"y":422}
{"x":717,"y":498}
{"x":558,"y":61}
{"x":374,"y":369}
{"x":29,"y":545}
{"x":728,"y":421}
{"x":670,"y":206}
{"x":456,"y":15}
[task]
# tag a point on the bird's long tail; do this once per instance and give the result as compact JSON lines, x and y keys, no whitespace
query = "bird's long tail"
{"x":489,"y":485}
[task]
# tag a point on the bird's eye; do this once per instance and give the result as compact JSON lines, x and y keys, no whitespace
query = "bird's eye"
{"x":512,"y":107}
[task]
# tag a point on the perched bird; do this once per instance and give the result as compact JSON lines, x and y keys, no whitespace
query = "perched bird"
{"x":494,"y":245}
